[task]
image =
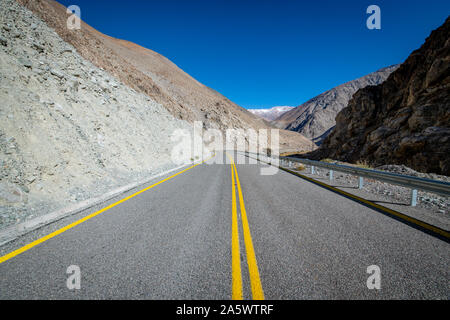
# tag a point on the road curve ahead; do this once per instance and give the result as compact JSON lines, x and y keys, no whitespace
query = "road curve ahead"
{"x":223,"y":231}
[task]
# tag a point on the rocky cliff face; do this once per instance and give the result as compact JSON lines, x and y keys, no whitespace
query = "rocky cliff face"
{"x":405,"y":120}
{"x":315,"y":118}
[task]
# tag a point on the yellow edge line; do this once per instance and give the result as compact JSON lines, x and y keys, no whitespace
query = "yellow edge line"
{"x":236,"y":275}
{"x":74,"y":224}
{"x":255,"y":281}
{"x":402,"y":216}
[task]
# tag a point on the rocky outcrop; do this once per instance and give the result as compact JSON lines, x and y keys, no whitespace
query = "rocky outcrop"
{"x":315,"y":118}
{"x":405,"y":120}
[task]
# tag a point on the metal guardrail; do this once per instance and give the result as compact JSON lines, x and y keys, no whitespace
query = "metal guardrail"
{"x":414,"y":183}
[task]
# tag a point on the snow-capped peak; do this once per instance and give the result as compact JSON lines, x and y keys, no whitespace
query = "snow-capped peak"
{"x":271,"y":113}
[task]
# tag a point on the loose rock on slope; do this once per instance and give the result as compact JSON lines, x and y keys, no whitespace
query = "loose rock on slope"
{"x":68,"y":130}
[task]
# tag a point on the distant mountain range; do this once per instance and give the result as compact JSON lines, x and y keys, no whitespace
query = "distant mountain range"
{"x":315,"y":118}
{"x":272,"y":113}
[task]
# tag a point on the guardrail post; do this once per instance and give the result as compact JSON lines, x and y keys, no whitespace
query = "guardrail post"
{"x":360,"y":182}
{"x":413,"y":198}
{"x":331,"y":175}
{"x":312,"y":170}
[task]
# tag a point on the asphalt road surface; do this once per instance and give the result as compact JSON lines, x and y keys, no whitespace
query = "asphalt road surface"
{"x":188,"y":237}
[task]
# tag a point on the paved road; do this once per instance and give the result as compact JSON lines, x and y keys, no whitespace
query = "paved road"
{"x":176,"y":241}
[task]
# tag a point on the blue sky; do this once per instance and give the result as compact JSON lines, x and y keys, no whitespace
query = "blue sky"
{"x":265,"y":53}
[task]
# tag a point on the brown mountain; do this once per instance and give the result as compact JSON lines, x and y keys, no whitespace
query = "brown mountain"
{"x":405,"y":120}
{"x":154,"y":75}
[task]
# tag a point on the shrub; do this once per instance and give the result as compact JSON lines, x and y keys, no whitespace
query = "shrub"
{"x":363,"y":164}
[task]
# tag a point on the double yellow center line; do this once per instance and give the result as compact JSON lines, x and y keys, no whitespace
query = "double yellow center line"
{"x":237,"y":291}
{"x":255,"y":281}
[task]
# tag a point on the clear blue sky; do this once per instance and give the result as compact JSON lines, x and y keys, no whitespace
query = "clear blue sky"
{"x":270,"y":53}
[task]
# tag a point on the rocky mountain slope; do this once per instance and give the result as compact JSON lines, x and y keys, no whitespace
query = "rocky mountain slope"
{"x":405,"y":120}
{"x":271,"y":113}
{"x":315,"y":118}
{"x":69,"y":131}
{"x":152,"y":74}
{"x":82,"y":114}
